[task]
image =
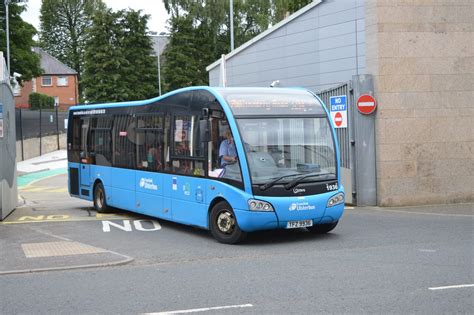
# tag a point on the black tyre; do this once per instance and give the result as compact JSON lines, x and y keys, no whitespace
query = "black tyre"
{"x":322,"y":228}
{"x":100,"y":201}
{"x":223,"y":224}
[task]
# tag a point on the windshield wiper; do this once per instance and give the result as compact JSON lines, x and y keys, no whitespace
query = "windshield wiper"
{"x":273,"y":181}
{"x":298,"y":180}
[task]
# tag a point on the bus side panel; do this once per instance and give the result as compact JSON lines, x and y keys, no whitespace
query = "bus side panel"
{"x":123,"y":189}
{"x":248,"y":220}
{"x":149,"y":194}
{"x":102,"y":173}
{"x":236,"y":197}
{"x":187,"y":199}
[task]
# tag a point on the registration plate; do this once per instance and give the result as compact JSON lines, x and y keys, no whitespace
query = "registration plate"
{"x":299,"y":224}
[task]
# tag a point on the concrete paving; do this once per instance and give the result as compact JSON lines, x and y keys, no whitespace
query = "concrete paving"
{"x":15,"y":258}
{"x":44,"y":198}
{"x":50,"y":161}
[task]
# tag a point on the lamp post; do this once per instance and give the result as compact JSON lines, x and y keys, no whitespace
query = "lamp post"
{"x":159,"y":67}
{"x":231,"y":25}
{"x":161,"y":35}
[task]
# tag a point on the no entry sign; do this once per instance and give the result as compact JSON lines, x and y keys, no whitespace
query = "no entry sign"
{"x":366,"y":104}
{"x":338,"y":110}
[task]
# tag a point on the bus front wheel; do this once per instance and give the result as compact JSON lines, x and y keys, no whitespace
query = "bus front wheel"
{"x":322,"y":228}
{"x":223,"y":224}
{"x":100,"y":203}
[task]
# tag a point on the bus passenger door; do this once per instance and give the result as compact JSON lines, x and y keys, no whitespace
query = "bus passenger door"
{"x":85,"y":160}
{"x":187,"y":163}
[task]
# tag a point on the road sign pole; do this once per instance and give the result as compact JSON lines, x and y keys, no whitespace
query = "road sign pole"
{"x":364,"y":135}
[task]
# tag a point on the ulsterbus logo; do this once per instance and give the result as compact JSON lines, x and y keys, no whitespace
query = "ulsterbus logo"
{"x":147,"y":183}
{"x":301,"y":206}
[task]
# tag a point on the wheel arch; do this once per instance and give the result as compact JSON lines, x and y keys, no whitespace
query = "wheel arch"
{"x":96,"y":182}
{"x":214,"y":202}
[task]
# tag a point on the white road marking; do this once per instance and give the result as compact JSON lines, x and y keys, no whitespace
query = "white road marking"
{"x":127,"y":226}
{"x":452,"y":287}
{"x":196,"y":310}
{"x":427,"y":250}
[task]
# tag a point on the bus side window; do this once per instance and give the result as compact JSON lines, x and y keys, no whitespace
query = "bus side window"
{"x":75,"y":145}
{"x":150,"y":142}
{"x":221,"y":146}
{"x":124,"y":142}
{"x":101,"y":142}
{"x":188,"y":151}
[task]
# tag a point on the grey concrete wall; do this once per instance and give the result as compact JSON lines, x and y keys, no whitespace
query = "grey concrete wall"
{"x":422,"y":57}
{"x":31,"y":147}
{"x":319,"y":49}
{"x":8,"y":185}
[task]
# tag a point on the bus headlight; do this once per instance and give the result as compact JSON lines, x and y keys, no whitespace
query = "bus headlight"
{"x":335,"y":200}
{"x":258,"y":205}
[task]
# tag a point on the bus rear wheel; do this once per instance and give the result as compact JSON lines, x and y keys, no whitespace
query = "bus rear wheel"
{"x":100,"y":203}
{"x":223,"y":224}
{"x":322,"y":228}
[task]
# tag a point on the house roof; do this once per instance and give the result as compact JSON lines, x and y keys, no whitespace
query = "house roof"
{"x":266,"y":33}
{"x":51,"y":65}
{"x":159,"y":43}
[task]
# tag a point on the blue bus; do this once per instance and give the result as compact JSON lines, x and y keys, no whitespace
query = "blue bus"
{"x":230,"y":160}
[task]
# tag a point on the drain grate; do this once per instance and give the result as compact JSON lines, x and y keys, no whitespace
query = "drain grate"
{"x":52,"y":249}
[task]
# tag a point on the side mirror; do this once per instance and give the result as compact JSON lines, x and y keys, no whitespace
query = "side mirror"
{"x":204,"y":130}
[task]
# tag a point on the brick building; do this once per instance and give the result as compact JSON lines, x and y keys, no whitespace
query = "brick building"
{"x":58,"y":81}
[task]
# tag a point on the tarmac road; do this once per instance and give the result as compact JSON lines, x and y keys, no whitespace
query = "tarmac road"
{"x":412,"y":260}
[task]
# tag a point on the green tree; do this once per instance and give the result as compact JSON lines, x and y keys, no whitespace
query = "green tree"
{"x":119,"y":65}
{"x":22,"y":59}
{"x":64,"y":25}
{"x":184,"y":56}
{"x":200,"y":33}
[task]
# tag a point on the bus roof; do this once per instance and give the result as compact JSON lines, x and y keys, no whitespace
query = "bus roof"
{"x":242,"y":100}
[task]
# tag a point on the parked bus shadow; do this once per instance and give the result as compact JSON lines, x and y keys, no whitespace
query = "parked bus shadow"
{"x":280,"y":236}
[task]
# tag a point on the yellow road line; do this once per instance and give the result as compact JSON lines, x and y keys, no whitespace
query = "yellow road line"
{"x":33,"y":189}
{"x":58,"y":190}
{"x":45,"y":189}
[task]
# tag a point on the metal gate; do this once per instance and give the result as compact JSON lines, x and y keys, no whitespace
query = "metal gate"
{"x":344,"y":138}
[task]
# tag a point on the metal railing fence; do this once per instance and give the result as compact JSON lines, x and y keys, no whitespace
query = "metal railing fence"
{"x":343,"y":134}
{"x":38,"y":124}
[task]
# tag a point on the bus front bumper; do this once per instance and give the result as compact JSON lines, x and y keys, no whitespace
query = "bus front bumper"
{"x":250,"y":221}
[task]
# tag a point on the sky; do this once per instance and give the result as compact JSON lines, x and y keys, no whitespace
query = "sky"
{"x":155,"y":8}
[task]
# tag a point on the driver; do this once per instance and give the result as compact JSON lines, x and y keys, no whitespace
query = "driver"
{"x":227,"y":151}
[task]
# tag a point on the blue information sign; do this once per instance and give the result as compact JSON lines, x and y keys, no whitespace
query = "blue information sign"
{"x":338,"y":110}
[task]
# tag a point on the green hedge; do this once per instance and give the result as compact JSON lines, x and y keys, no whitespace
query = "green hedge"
{"x":38,"y":100}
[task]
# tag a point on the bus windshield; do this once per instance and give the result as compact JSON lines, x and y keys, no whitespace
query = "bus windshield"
{"x":279,"y":150}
